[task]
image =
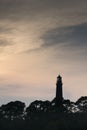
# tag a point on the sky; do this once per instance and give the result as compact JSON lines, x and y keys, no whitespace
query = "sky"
{"x":40,"y":39}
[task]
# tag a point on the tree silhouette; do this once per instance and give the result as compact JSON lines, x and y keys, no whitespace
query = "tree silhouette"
{"x":82,"y":104}
{"x":12,"y":109}
{"x":38,"y":106}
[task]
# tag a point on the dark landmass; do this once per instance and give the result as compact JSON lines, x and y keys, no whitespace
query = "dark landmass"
{"x":44,"y":115}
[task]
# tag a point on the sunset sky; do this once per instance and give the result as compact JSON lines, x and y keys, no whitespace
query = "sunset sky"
{"x":40,"y":39}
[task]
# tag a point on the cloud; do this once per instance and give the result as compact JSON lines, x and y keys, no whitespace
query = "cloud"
{"x":37,"y":9}
{"x":5,"y":36}
{"x":70,"y":36}
{"x":5,"y":42}
{"x":18,"y":15}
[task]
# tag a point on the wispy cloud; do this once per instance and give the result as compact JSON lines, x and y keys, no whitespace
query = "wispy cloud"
{"x":70,"y":36}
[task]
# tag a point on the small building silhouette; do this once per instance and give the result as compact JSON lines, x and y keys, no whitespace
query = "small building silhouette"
{"x":59,"y":93}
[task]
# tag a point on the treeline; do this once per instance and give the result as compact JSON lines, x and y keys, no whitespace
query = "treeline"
{"x":44,"y":115}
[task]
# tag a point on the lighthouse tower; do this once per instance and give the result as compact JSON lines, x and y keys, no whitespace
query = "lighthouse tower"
{"x":59,"y":93}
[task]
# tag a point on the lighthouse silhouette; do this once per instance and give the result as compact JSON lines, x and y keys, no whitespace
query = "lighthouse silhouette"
{"x":59,"y":93}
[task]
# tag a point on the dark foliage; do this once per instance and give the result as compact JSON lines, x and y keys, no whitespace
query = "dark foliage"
{"x":12,"y":110}
{"x":44,"y":115}
{"x":39,"y":106}
{"x":82,"y":104}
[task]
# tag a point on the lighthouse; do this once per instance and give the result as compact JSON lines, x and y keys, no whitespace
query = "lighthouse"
{"x":59,"y":93}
